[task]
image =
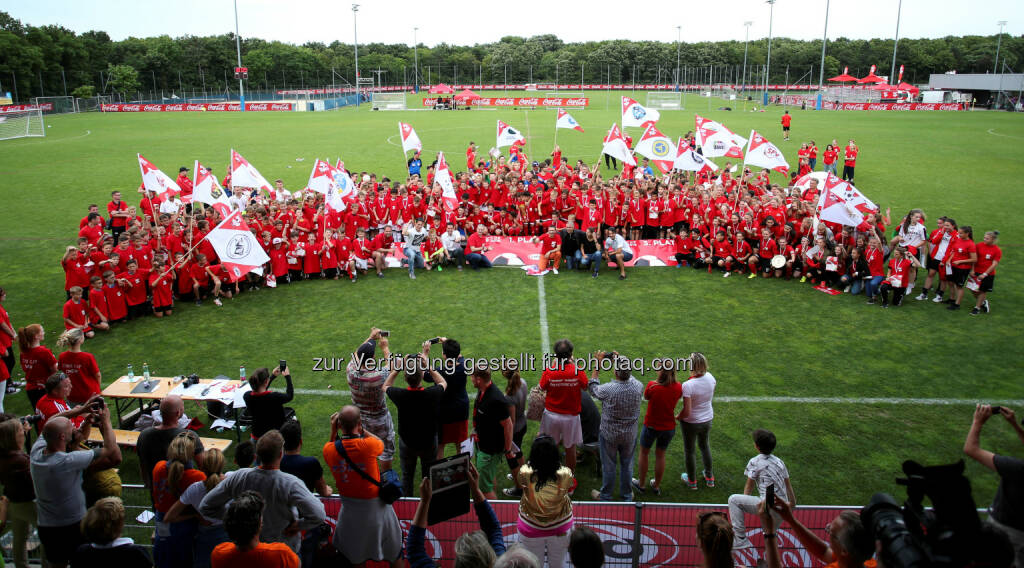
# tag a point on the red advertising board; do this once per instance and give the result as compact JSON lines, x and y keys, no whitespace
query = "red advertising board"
{"x":667,"y":531}
{"x":893,"y":106}
{"x":520,"y":251}
{"x":186,"y":107}
{"x":18,"y":108}
{"x":552,"y":102}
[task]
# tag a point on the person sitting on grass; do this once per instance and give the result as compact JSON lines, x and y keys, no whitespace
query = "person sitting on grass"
{"x":477,"y":549}
{"x":763,"y":471}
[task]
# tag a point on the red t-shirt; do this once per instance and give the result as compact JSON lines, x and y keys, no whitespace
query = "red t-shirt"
{"x":84,"y":373}
{"x":163,"y":495}
{"x":117,"y":222}
{"x":961,"y":250}
{"x":767,"y":248}
{"x":38,"y":364}
{"x":661,"y":405}
{"x":898,"y":272}
{"x":5,"y":340}
{"x":77,"y":312}
{"x":161,"y":287}
{"x":722,"y":248}
{"x":876,"y":262}
{"x":474,"y":241}
{"x":117,"y":307}
{"x":200,"y":274}
{"x":265,"y":555}
{"x":48,"y":407}
{"x":136,"y":293}
{"x":786,"y":120}
{"x":549,"y":242}
{"x":850,"y":156}
{"x":563,"y":386}
{"x":987,"y":254}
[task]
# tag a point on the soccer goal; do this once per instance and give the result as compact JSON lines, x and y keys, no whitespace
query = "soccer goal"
{"x":55,"y":105}
{"x":665,"y":100}
{"x":21,"y":123}
{"x":388,"y":101}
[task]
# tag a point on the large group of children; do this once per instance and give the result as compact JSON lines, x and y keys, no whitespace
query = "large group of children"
{"x":140,"y":259}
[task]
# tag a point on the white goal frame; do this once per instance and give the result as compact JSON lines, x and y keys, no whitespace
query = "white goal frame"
{"x":61,"y":105}
{"x":388,"y":101}
{"x":664,"y":100}
{"x":21,"y":124}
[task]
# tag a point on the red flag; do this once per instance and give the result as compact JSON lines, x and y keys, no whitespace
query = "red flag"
{"x":443,"y":176}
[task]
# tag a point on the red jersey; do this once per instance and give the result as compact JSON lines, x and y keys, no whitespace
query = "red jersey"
{"x":722,"y":248}
{"x":278,"y":261}
{"x":661,"y":405}
{"x":850,"y":156}
{"x":898,"y":272}
{"x":137,"y":281}
{"x":84,"y":373}
{"x":875,"y":260}
{"x":161,"y":287}
{"x":767,"y":248}
{"x":563,"y":386}
{"x":77,"y":312}
{"x":475,"y":241}
{"x":117,"y":222}
{"x":97,"y":302}
{"x":117,"y":307}
{"x":311,"y":262}
{"x":38,"y":364}
{"x":961,"y":250}
{"x":787,"y":119}
{"x":363,"y":248}
{"x":93,"y":233}
{"x":342,"y":249}
{"x":75,"y":273}
{"x":549,"y":243}
{"x":829,"y":157}
{"x":987,"y":255}
{"x":200,"y":274}
{"x":48,"y":407}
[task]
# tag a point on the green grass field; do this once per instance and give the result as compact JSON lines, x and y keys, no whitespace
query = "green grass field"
{"x":763,"y":338}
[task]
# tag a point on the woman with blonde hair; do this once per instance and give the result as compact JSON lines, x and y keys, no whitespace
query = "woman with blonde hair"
{"x":16,"y":477}
{"x":173,"y":543}
{"x":37,"y":361}
{"x":102,"y":526}
{"x":211,"y":530}
{"x":696,"y":417}
{"x":79,"y":366}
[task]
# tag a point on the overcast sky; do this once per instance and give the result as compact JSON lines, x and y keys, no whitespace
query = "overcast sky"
{"x":467,"y":23}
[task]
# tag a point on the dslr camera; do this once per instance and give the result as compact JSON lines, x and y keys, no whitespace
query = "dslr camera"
{"x":190,"y":380}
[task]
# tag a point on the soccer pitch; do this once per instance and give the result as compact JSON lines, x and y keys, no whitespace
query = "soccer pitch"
{"x":831,"y":376}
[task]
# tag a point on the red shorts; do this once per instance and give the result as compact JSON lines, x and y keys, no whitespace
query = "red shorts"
{"x":454,"y":433}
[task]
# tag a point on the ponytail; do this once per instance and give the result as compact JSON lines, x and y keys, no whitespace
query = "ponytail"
{"x":28,"y":334}
{"x":213,"y":467}
{"x":515,"y":382}
{"x":993,"y":234}
{"x":970,"y":232}
{"x":179,"y":458}
{"x":71,"y":337}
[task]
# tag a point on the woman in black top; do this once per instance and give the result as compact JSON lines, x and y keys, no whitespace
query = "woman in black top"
{"x":102,"y":526}
{"x":266,"y":407}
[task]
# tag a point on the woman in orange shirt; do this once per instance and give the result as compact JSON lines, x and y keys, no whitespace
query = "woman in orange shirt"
{"x":172,"y":544}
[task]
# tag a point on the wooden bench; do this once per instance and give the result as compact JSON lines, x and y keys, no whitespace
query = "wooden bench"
{"x":130,"y":438}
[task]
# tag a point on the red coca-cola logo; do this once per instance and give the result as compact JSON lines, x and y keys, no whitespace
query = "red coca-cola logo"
{"x":281,"y":106}
{"x":178,"y":107}
{"x":153,"y":108}
{"x":528,"y":101}
{"x":576,"y":102}
{"x":552,"y":101}
{"x":901,"y":107}
{"x":131,"y":108}
{"x":256,"y":106}
{"x":505,"y":101}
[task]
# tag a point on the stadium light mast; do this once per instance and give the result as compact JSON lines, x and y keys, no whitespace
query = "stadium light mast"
{"x":355,"y":42}
{"x":824,"y":42}
{"x":995,"y":64}
{"x":238,"y":51}
{"x":679,"y":40}
{"x":768,"y":63}
{"x":743,"y":76}
{"x":416,"y":59}
{"x":896,"y":43}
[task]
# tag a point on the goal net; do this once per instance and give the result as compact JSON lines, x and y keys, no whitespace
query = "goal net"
{"x":388,"y":101}
{"x":55,"y":105}
{"x":663,"y":100}
{"x":18,"y":124}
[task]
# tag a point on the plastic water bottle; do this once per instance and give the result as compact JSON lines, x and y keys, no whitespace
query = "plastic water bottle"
{"x":241,"y":373}
{"x":145,"y":371}
{"x":131,"y":374}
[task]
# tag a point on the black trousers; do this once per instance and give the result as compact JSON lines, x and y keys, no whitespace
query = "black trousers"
{"x":847,"y":173}
{"x":610,"y":162}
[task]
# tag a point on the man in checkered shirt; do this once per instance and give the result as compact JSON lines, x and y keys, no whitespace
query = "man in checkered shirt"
{"x":620,"y":399}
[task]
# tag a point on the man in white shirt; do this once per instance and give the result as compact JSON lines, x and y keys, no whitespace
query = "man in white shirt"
{"x":453,"y":242}
{"x":414,"y":234}
{"x":170,"y":205}
{"x":283,"y":195}
{"x":765,"y":471}
{"x":617,"y":250}
{"x":240,"y":200}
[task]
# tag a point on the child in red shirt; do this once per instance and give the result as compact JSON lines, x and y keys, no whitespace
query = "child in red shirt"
{"x":76,"y":312}
{"x":136,"y":283}
{"x":161,"y":282}
{"x":99,"y":314}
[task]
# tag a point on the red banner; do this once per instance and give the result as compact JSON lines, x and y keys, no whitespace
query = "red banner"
{"x":186,"y":107}
{"x":667,"y":531}
{"x":893,"y":106}
{"x":552,"y":102}
{"x":18,"y":108}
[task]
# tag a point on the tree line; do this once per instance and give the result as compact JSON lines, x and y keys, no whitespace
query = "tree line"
{"x":52,"y":61}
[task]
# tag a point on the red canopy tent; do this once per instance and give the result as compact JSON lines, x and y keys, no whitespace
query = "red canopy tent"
{"x":904,"y":86}
{"x":466,"y":96}
{"x":441,"y":89}
{"x":845,"y":77}
{"x":870,"y":78}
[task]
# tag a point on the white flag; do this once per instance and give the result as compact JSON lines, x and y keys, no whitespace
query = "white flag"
{"x":155,"y":180}
{"x":658,"y":147}
{"x":635,"y":114}
{"x":764,"y":154}
{"x":410,"y":141}
{"x":507,"y":135}
{"x":238,"y":249}
{"x":565,"y":120}
{"x":689,"y":160}
{"x":716,"y":140}
{"x":615,"y":146}
{"x":343,"y":181}
{"x":443,"y":177}
{"x":833,"y":206}
{"x":244,"y":175}
{"x":207,"y":190}
{"x":321,"y":179}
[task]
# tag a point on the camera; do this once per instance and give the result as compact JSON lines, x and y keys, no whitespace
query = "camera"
{"x":282,"y":364}
{"x":31,"y":419}
{"x":385,"y":333}
{"x":190,"y":380}
{"x":435,"y":340}
{"x":98,"y":404}
{"x":997,"y":410}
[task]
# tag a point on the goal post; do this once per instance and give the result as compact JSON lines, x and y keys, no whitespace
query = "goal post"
{"x":55,"y":105}
{"x":665,"y":100}
{"x":21,"y":123}
{"x":388,"y":101}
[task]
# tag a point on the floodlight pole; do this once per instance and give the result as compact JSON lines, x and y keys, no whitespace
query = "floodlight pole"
{"x":238,"y":51}
{"x":679,"y":39}
{"x":743,"y":76}
{"x":768,"y":63}
{"x":416,"y":60}
{"x":896,"y":43}
{"x":355,"y":42}
{"x":999,"y":41}
{"x":824,"y":42}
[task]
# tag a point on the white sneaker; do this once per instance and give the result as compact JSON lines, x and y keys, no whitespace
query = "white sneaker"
{"x":938,"y":299}
{"x":217,"y":301}
{"x":726,"y":275}
{"x":554,"y":270}
{"x":921,"y":296}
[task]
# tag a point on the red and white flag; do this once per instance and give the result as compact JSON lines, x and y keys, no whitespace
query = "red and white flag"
{"x":155,"y":180}
{"x":443,"y":177}
{"x":834,"y":206}
{"x":207,"y":190}
{"x":615,"y":146}
{"x":238,"y":249}
{"x":688,"y":160}
{"x":507,"y":135}
{"x":343,"y":181}
{"x":658,"y":147}
{"x":900,"y":80}
{"x":635,"y":114}
{"x":565,"y":120}
{"x":244,"y":175}
{"x":716,"y":140}
{"x":334,"y":200}
{"x":410,"y":141}
{"x":764,"y":154}
{"x":321,"y":179}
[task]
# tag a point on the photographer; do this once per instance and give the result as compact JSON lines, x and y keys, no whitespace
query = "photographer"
{"x":55,"y":402}
{"x":417,"y":416}
{"x":266,"y":407}
{"x":1007,"y":510}
{"x":849,"y":542}
{"x":365,"y":379}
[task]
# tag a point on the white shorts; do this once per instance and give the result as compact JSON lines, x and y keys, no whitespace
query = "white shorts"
{"x":566,"y":429}
{"x":361,"y":263}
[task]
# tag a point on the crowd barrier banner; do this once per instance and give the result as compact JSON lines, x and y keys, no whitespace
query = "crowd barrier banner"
{"x":20,"y":108}
{"x":521,"y":251}
{"x":187,"y":107}
{"x":648,"y":534}
{"x":553,"y":102}
{"x":893,"y":106}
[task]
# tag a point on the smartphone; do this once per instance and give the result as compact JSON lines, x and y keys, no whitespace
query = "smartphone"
{"x":282,"y":364}
{"x":435,"y":340}
{"x":385,"y":333}
{"x":769,"y":496}
{"x":997,"y":410}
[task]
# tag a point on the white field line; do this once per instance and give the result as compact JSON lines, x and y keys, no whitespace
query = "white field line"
{"x":542,"y":304}
{"x":776,"y":399}
{"x":1002,"y":135}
